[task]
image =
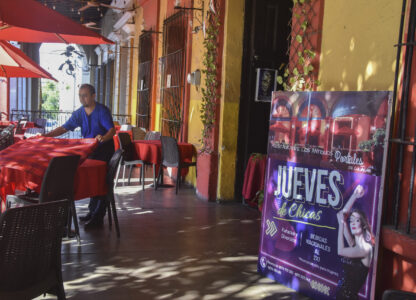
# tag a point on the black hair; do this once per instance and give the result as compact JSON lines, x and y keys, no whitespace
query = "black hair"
{"x":88,"y":86}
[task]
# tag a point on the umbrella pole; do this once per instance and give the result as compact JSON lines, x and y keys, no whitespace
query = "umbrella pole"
{"x":61,"y":38}
{"x":4,"y":71}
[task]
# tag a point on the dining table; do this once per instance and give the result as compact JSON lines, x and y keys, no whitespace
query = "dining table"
{"x":23,"y":165}
{"x":254,"y":178}
{"x":150,"y":151}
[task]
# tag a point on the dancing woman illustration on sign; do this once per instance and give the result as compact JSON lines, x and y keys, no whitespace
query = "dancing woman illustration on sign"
{"x":359,"y":251}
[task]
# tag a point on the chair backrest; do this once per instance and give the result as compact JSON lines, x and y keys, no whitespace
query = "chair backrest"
{"x":152,"y":135}
{"x":33,"y":131}
{"x":170,"y":151}
{"x":40,"y":123}
{"x":20,"y":125}
{"x":126,"y":145}
{"x":6,"y":137}
{"x":58,"y":181}
{"x":138,"y":133}
{"x":112,"y":167}
{"x":30,"y":244}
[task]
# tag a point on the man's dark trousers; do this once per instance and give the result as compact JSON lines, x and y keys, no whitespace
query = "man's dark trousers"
{"x":97,"y":206}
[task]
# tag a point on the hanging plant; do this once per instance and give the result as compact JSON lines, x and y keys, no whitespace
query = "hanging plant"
{"x":298,"y":75}
{"x":210,"y":92}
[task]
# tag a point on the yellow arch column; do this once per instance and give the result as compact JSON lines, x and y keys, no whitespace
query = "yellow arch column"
{"x":230,"y":97}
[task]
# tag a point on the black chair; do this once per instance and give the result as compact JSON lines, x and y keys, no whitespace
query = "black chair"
{"x":138,"y":133}
{"x":152,"y":136}
{"x":30,"y":250}
{"x":128,"y":157}
{"x":111,"y":173}
{"x":398,"y":295}
{"x":57,"y":184}
{"x":171,"y":158}
{"x":6,"y":137}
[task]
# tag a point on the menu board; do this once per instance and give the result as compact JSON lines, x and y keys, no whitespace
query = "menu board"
{"x":323,"y":192}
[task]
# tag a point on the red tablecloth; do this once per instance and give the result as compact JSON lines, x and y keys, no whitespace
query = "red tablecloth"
{"x":151,"y":152}
{"x":254,"y":177}
{"x":115,"y":138}
{"x":18,"y":137}
{"x":23,"y":164}
{"x":90,"y":179}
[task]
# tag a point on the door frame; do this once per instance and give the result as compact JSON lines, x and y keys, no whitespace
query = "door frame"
{"x":242,"y":155}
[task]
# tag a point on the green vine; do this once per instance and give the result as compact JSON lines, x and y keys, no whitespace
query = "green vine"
{"x":299,"y":77}
{"x":210,"y":93}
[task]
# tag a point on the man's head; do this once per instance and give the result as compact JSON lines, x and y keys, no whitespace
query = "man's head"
{"x":86,"y":94}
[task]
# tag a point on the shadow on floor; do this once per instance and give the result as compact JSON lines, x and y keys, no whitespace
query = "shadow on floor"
{"x":171,"y":247}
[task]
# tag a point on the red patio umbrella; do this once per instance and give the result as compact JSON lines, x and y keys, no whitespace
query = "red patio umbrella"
{"x":14,"y":63}
{"x":31,"y":22}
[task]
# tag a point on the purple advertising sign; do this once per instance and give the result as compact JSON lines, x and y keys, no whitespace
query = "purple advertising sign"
{"x":323,"y":191}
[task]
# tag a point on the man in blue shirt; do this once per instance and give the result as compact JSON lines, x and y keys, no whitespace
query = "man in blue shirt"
{"x":96,"y":122}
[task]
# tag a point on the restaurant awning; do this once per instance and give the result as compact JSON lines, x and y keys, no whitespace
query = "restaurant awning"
{"x":14,"y":63}
{"x":31,"y":22}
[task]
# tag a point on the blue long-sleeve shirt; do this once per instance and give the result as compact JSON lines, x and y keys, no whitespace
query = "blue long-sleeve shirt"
{"x":99,"y":122}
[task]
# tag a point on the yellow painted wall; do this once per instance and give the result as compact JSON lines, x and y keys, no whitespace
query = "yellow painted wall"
{"x":357,"y":44}
{"x":230,"y":97}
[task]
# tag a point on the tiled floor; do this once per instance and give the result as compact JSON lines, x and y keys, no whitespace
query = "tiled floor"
{"x":171,"y":247}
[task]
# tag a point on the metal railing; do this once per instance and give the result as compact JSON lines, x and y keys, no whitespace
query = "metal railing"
{"x":56,"y":118}
{"x":397,"y":198}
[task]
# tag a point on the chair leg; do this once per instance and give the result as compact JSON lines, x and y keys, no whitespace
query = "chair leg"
{"x":69,"y":222}
{"x":117,"y":175}
{"x":59,"y":288}
{"x":142,"y":175}
{"x":154,"y":174}
{"x":131,"y":170}
{"x":178,"y":179}
{"x":61,"y":291}
{"x":110,"y":222}
{"x":113,"y":205}
{"x":160,"y":173}
{"x":74,"y":217}
{"x":124,"y":175}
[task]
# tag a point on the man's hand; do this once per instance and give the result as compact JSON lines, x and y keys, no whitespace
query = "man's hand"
{"x":99,"y":138}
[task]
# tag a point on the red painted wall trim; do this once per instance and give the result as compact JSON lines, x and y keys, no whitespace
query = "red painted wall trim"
{"x":207,"y":180}
{"x":187,"y":91}
{"x":155,"y":68}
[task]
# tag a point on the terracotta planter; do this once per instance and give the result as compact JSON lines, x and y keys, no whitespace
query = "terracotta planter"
{"x":206,"y":182}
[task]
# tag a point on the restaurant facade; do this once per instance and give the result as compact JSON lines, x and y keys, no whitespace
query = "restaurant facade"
{"x":154,"y":73}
